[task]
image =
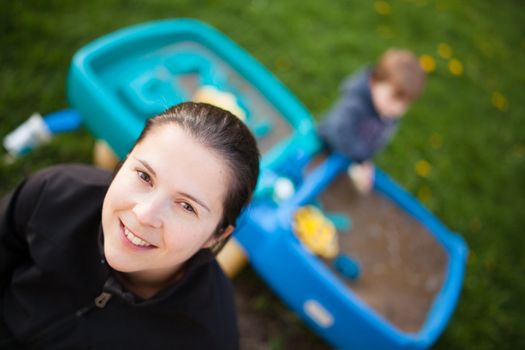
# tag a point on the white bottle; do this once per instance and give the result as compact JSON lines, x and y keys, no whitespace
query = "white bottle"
{"x":29,"y":135}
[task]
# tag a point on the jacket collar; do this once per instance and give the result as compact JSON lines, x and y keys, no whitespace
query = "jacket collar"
{"x":114,"y":286}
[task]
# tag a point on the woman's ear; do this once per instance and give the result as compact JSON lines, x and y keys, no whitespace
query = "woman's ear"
{"x":228,"y":230}
{"x":223,"y":234}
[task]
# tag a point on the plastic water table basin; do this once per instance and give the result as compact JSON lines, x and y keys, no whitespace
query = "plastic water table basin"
{"x":320,"y":295}
{"x":118,"y":81}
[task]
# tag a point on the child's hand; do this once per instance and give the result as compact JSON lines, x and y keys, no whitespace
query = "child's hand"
{"x":362,"y":175}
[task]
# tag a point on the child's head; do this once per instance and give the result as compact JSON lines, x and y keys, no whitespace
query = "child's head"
{"x":397,"y":81}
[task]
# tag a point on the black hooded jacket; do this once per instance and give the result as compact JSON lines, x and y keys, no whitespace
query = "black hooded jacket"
{"x":57,"y":291}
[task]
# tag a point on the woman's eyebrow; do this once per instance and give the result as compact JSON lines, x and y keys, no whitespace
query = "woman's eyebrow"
{"x":195,"y":200}
{"x":199,"y":202}
{"x":147,"y":166}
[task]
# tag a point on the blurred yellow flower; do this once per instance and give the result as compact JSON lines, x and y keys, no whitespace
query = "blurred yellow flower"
{"x":499,"y":101}
{"x":455,"y":66}
{"x":428,"y":63}
{"x":444,"y":51}
{"x":436,"y":141}
{"x":382,"y":7}
{"x":424,"y":193}
{"x":423,"y":168}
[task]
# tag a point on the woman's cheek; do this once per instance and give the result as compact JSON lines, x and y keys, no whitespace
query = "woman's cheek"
{"x":125,"y":187}
{"x":187,"y":232}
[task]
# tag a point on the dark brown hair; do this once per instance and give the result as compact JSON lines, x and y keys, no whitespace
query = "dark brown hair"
{"x":224,"y":133}
{"x":402,"y":69}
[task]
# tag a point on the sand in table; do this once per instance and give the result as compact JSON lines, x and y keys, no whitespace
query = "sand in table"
{"x":402,"y":264}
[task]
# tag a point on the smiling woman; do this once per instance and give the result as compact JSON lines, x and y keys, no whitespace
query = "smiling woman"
{"x":91,"y":261}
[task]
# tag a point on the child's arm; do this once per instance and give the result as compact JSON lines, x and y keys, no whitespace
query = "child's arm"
{"x":362,"y":175}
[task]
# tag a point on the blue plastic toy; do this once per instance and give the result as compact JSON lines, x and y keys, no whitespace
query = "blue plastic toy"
{"x":347,"y":266}
{"x":341,"y":221}
{"x":121,"y":79}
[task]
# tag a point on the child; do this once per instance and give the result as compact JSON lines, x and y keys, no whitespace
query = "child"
{"x":369,"y":110}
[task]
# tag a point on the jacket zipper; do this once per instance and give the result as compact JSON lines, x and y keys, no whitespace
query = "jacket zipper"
{"x":99,"y":302}
{"x":102,"y":299}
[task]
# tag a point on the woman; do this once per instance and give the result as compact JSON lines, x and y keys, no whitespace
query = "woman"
{"x":130,"y":266}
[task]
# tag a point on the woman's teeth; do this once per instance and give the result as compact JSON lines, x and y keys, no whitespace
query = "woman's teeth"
{"x":135,"y":240}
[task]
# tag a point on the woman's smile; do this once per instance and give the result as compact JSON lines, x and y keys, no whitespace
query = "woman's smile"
{"x":134,"y":239}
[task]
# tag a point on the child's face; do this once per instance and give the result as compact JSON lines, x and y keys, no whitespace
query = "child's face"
{"x":388,"y":102}
{"x":163,"y":205}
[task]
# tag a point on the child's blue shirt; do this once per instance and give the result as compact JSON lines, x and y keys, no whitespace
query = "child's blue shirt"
{"x":353,"y":126}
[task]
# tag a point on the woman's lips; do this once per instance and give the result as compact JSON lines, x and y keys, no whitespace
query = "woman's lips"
{"x":134,"y":239}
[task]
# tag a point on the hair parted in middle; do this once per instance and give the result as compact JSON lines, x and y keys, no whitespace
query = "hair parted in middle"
{"x":223,"y":133}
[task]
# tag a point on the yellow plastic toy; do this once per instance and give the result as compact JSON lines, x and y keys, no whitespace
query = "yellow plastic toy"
{"x":316,"y":231}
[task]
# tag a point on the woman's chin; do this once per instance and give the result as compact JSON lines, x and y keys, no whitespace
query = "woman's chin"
{"x":116,"y":261}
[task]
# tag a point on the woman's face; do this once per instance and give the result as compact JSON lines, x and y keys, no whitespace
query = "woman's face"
{"x":164,"y":204}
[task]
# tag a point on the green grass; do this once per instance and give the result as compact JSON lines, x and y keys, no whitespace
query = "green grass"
{"x":476,"y":150}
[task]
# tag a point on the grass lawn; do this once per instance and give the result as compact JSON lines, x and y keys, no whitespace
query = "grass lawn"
{"x":461,"y":149}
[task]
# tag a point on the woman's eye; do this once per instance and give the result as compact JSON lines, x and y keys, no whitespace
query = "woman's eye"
{"x":144,"y":176}
{"x":187,"y":207}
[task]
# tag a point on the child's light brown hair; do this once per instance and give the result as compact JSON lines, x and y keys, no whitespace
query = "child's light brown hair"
{"x":402,"y":69}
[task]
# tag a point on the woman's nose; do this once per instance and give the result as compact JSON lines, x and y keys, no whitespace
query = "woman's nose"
{"x":148,"y":213}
